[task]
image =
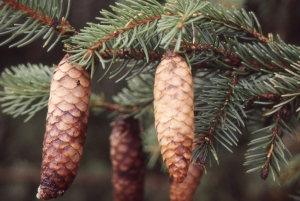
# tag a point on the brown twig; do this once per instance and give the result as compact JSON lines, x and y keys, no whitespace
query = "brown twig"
{"x":207,"y":138}
{"x":46,"y":20}
{"x":227,"y":57}
{"x":131,"y":24}
{"x":275,"y":131}
{"x":101,"y":103}
{"x":267,"y":97}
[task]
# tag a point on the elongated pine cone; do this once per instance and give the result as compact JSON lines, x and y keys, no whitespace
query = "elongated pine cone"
{"x":174,"y":113}
{"x":66,"y":127}
{"x":127,"y":160}
{"x":185,"y":191}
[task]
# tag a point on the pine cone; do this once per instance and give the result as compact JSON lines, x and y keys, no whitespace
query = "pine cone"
{"x":185,"y":191}
{"x":174,"y":113}
{"x":66,"y":127}
{"x":127,"y":159}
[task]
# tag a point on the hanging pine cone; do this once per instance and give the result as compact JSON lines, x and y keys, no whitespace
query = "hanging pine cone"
{"x":66,"y":127}
{"x":185,"y":191}
{"x":174,"y":113}
{"x":127,"y":160}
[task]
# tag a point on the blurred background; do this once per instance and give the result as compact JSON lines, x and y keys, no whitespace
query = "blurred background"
{"x":21,"y":144}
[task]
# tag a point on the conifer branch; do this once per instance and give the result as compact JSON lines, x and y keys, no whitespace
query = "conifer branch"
{"x":26,"y":89}
{"x":271,"y":92}
{"x":238,"y":20}
{"x":275,"y":132}
{"x":137,"y":23}
{"x":218,"y":116}
{"x":145,"y":30}
{"x":60,"y":26}
{"x":30,"y":12}
{"x":42,"y":18}
{"x":269,"y":153}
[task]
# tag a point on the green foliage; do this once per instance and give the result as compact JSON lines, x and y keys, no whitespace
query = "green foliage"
{"x":174,"y":27}
{"x":31,"y":20}
{"x":204,"y":33}
{"x":219,"y":114}
{"x":118,"y":36}
{"x":275,"y":96}
{"x":26,"y":89}
{"x":138,"y":97}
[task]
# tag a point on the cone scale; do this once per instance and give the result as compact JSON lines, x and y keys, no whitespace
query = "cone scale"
{"x":174,"y":113}
{"x":66,"y":127}
{"x":127,"y":160}
{"x":185,"y":191}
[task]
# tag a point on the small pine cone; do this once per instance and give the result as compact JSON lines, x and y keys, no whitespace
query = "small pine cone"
{"x":185,"y":191}
{"x":66,"y":127}
{"x":174,"y":113}
{"x":127,"y":160}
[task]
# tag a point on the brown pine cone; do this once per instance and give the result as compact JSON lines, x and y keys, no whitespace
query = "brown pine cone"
{"x":185,"y":191}
{"x":127,"y":160}
{"x":174,"y":113}
{"x":66,"y":127}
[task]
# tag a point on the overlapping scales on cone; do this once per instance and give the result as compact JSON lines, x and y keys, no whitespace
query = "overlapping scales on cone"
{"x":174,"y":113}
{"x":127,"y":159}
{"x":185,"y":191}
{"x":66,"y":127}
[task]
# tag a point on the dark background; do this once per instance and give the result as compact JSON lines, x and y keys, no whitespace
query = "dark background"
{"x":21,"y":144}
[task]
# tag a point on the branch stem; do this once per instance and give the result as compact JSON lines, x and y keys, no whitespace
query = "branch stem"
{"x":61,"y":26}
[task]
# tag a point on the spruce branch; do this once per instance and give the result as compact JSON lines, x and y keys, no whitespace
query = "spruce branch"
{"x":34,"y":19}
{"x":26,"y":89}
{"x":126,"y":38}
{"x":260,"y":92}
{"x":272,"y":92}
{"x":246,"y":24}
{"x":177,"y":17}
{"x":204,"y":33}
{"x":276,"y":95}
{"x":220,"y":111}
{"x":269,"y":153}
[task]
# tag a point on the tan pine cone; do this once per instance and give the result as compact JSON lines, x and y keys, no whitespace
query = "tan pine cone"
{"x":185,"y":191}
{"x":127,"y":160}
{"x":174,"y":113}
{"x":66,"y":127}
